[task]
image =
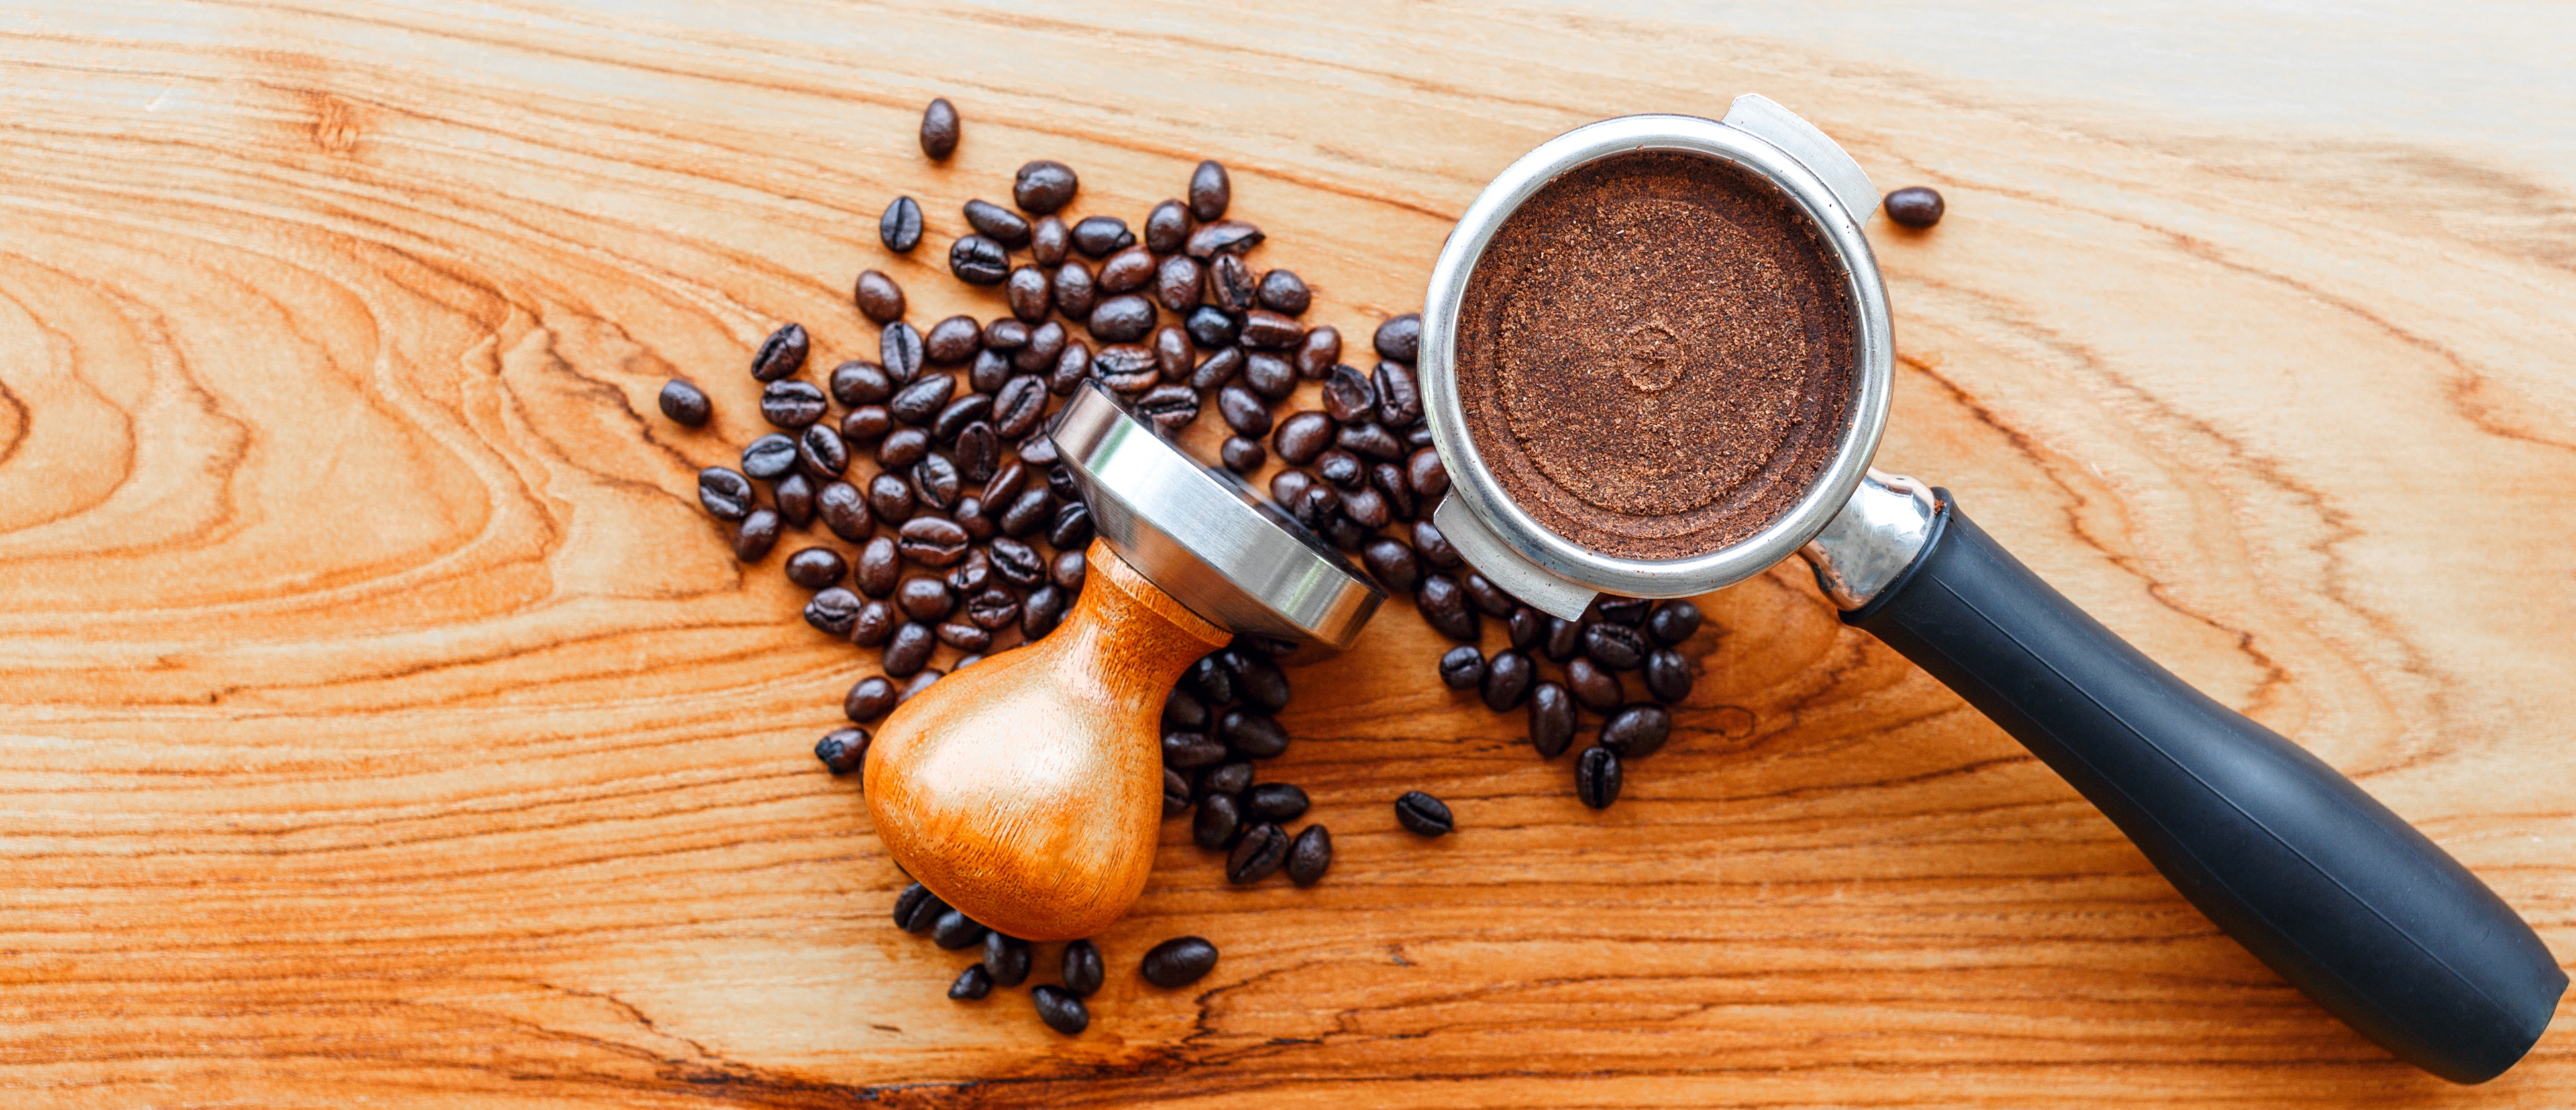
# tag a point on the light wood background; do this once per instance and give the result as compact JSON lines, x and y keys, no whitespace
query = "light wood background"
{"x":381,"y":722}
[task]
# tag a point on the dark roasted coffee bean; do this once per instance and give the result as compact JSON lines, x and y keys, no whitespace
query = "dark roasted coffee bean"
{"x":1038,"y":451}
{"x":1615,"y":646}
{"x":1041,"y":612}
{"x":1042,"y":186}
{"x":1288,"y":489}
{"x":878,"y":297}
{"x":1345,"y":533}
{"x":978,"y":452}
{"x":939,"y":127}
{"x":1551,"y":719}
{"x":1075,"y":291}
{"x":1341,"y":468}
{"x":963,"y":636}
{"x":997,"y":223}
{"x":782,"y":354}
{"x":1072,"y":526}
{"x":1673,"y":622}
{"x":977,"y":260}
{"x":1243,"y":412}
{"x":899,"y":352}
{"x":1180,"y":961}
{"x":1070,"y":368}
{"x":1167,"y":227}
{"x":1176,"y":793}
{"x":1348,"y":396}
{"x":1368,"y":439}
{"x":817,"y":567}
{"x":1302,"y":437}
{"x":1399,"y":399}
{"x":973,"y":983}
{"x":993,"y":610}
{"x":795,"y":494}
{"x":972,"y":575}
{"x":1060,"y":482}
{"x":1230,"y":284}
{"x":1128,"y":271}
{"x":1284,"y":292}
{"x":1463,"y":668}
{"x":1242,"y":456}
{"x":1527,"y":628}
{"x":1258,"y":681}
{"x":870,"y":698}
{"x":1211,"y":679}
{"x":1320,"y":506}
{"x":1030,"y":293}
{"x":1046,"y":344}
{"x":1367,"y":508}
{"x":1423,"y":815}
{"x":1006,"y":959}
{"x":1016,"y":563}
{"x":1444,"y":606}
{"x":1169,"y":407}
{"x":1488,"y":597}
{"x":921,"y":681}
{"x":1914,"y":206}
{"x":952,"y":341}
{"x":1427,"y":475}
{"x":1210,"y":326}
{"x":1637,"y":730}
{"x":1098,"y":236}
{"x":1319,"y":353}
{"x":1418,"y":436}
{"x":1127,"y":368}
{"x":1593,"y":687}
{"x":1222,"y":237}
{"x":1172,"y":354}
{"x":1400,"y":338}
{"x":844,"y":511}
{"x":1231,"y":778}
{"x":1563,"y":640}
{"x":1388,"y":479}
{"x":1630,"y":611}
{"x":866,"y":426}
{"x":1270,"y":330}
{"x":1432,"y":546}
{"x":724,"y":492}
{"x":917,"y":910}
{"x":1210,"y":191}
{"x":955,"y":930}
{"x":954,"y":416}
{"x":1258,"y":855}
{"x":1274,"y":801}
{"x":1392,"y":563}
{"x":769,"y":457}
{"x":1050,"y":241}
{"x":1004,"y":336}
{"x":1596,"y":777}
{"x":1254,"y":734}
{"x":900,"y":227}
{"x":901,"y":448}
{"x":1061,"y":1011}
{"x":875,"y":625}
{"x":1310,"y":855}
{"x":1508,"y":676}
{"x":1028,"y":512}
{"x":918,"y":402}
{"x":842,"y":749}
{"x":685,"y":404}
{"x":856,"y":383}
{"x":1176,"y":284}
{"x":1068,"y":570}
{"x":755,"y":536}
{"x":923,"y":598}
{"x":822,"y":452}
{"x":1269,"y":375}
{"x":931,"y":541}
{"x":833,"y":611}
{"x":1188,"y":750}
{"x":908,"y":650}
{"x":1217,"y":822}
{"x":880,"y":563}
{"x":1668,"y":675}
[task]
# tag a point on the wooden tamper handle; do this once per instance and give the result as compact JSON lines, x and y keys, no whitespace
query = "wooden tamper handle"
{"x":1026,"y":790}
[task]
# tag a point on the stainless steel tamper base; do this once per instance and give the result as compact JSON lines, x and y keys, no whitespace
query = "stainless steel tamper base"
{"x":1202,"y":536}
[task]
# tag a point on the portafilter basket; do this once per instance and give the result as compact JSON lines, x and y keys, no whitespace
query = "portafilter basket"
{"x":2314,"y":876}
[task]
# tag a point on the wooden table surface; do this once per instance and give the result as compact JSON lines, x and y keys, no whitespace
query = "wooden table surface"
{"x":384,"y":723}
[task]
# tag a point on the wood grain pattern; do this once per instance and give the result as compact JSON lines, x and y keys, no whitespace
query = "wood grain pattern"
{"x":385,"y":723}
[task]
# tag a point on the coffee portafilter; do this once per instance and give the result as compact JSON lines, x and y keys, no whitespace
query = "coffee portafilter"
{"x":2318,"y":879}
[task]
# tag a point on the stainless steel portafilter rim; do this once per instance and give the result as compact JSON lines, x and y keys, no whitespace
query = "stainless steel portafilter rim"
{"x":1202,"y":536}
{"x":1534,"y":562}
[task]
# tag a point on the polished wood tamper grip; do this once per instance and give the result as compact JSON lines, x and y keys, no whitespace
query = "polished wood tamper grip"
{"x":1026,"y":790}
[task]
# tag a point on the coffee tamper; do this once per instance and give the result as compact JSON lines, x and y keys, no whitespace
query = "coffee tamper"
{"x":1026,"y":791}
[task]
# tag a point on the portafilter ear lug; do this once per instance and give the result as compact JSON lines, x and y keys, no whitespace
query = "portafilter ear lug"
{"x":1766,"y":120}
{"x":1496,"y":560}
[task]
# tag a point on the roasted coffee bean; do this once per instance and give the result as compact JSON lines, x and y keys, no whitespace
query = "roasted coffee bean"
{"x":903,"y":447}
{"x":1596,"y":777}
{"x":1508,"y":677}
{"x":844,"y":511}
{"x":1061,"y":1012}
{"x":1288,"y":489}
{"x":1222,"y":237}
{"x":1243,"y":412}
{"x":769,"y":457}
{"x":1230,"y":778}
{"x":1184,"y":712}
{"x":1046,"y":344}
{"x":1367,"y":508}
{"x":1274,"y":801}
{"x":1217,"y":822}
{"x":817,"y":567}
{"x":1345,"y":533}
{"x":1041,"y":612}
{"x":921,"y":681}
{"x":1367,"y":439}
{"x":1637,"y":730}
{"x":1128,"y":271}
{"x":1187,"y":750}
{"x":755,"y":536}
{"x":870,"y":698}
{"x":997,"y":223}
{"x":1258,"y":681}
{"x":1418,"y":436}
{"x":1038,"y":451}
{"x":1028,"y":512}
{"x":1176,"y":283}
{"x":1615,"y":646}
{"x":900,"y":227}
{"x":993,"y":610}
{"x":1432,"y":546}
{"x":1072,"y":526}
{"x":1258,"y":855}
{"x":899,"y":352}
{"x":724,"y":492}
{"x":971,"y":984}
{"x":856,"y":383}
{"x":1210,"y":327}
{"x":1668,"y":675}
{"x":1341,"y":468}
{"x":1210,"y":191}
{"x":878,"y":297}
{"x":952,"y":341}
{"x":1423,"y":815}
{"x":875,"y":625}
{"x":1016,"y":562}
{"x":1593,"y":687}
{"x":1427,"y":475}
{"x":1388,"y":479}
{"x":795,"y":494}
{"x":1400,"y":338}
{"x":1399,"y":398}
{"x":1075,"y":291}
{"x":1348,"y":396}
{"x":1551,"y":719}
{"x":1392,"y":563}
{"x":879,"y":565}
{"x":1310,"y":855}
{"x":954,"y":416}
{"x":1319,"y":507}
{"x":1172,"y":354}
{"x":782,"y":354}
{"x":977,"y":260}
{"x":1242,"y":456}
{"x":1176,"y":793}
{"x":842,"y":749}
{"x":978,"y":452}
{"x":924,"y":598}
{"x":908,"y":650}
{"x":1319,"y":353}
{"x":1127,"y":368}
{"x":1488,"y":596}
{"x":1050,"y":241}
{"x":955,"y":930}
{"x":1914,"y":206}
{"x":1029,"y":293}
{"x":822,"y":452}
{"x":972,"y":575}
{"x":1269,"y":375}
{"x":1563,"y":640}
{"x":1230,"y":284}
{"x":685,"y":404}
{"x":917,"y":910}
{"x":1169,"y":407}
{"x":1004,"y":337}
{"x":1098,"y":236}
{"x":918,"y":402}
{"x":1303,"y":437}
{"x":1254,"y":734}
{"x":1527,"y":628}
{"x":1444,"y":606}
{"x":1284,"y":292}
{"x":1042,"y":186}
{"x":1673,"y":622}
{"x":1006,"y":959}
{"x":1167,"y":227}
{"x":1070,"y":368}
{"x":1180,"y":961}
{"x":931,"y":541}
{"x":1266,"y":329}
{"x":939,"y":127}
{"x":1211,"y":679}
{"x":963,"y":636}
{"x":1630,"y":611}
{"x":833,"y":611}
{"x":1462,"y":668}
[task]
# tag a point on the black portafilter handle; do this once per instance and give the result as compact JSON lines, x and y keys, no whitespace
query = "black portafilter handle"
{"x":2316,"y":878}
